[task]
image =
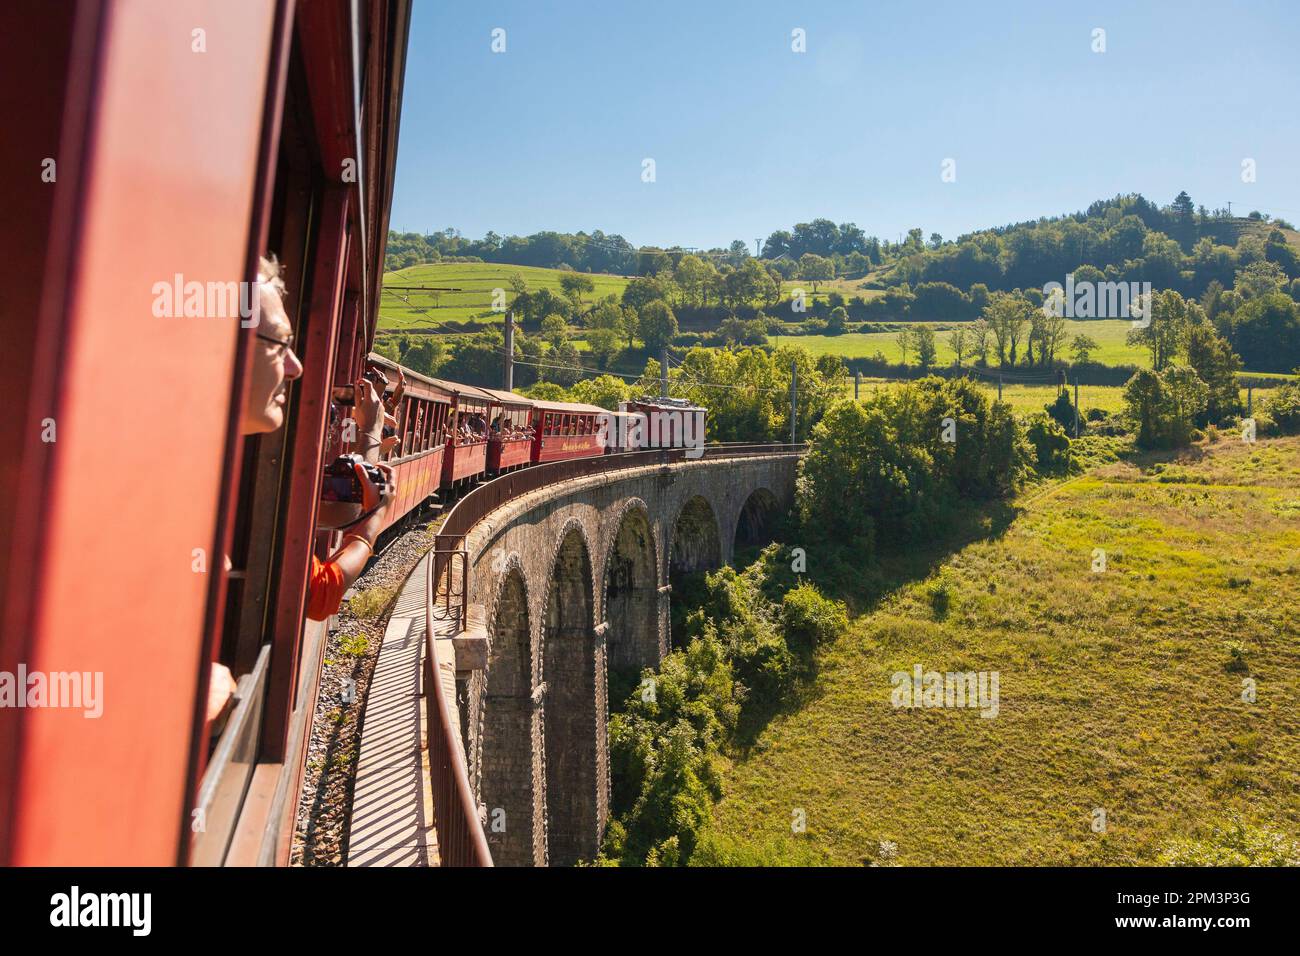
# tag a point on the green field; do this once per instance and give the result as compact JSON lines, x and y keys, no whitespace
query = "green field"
{"x":1023,"y":399}
{"x":477,"y":280}
{"x":1109,"y":334}
{"x":1120,"y":690}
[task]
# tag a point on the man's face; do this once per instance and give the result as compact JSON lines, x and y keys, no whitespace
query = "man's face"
{"x":273,"y":368}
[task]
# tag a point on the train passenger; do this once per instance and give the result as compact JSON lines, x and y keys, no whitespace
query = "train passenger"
{"x":390,"y":434}
{"x":274,"y":366}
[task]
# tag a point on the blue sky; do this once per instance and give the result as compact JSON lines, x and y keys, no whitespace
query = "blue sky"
{"x":748,"y":136}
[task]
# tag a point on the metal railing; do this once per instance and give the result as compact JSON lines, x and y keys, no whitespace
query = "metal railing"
{"x":461,"y":841}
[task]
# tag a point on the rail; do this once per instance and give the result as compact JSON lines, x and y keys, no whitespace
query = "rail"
{"x":461,"y":841}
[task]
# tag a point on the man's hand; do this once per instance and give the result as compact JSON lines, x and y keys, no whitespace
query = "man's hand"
{"x":372,"y":495}
{"x":221,"y":686}
{"x":368,"y":407}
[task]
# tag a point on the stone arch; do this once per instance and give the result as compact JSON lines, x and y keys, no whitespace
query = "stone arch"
{"x":696,"y":542}
{"x":574,"y":670}
{"x":507,"y":757}
{"x":631,"y":590}
{"x":754,"y":523}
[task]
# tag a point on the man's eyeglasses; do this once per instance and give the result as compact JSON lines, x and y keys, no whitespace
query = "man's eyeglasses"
{"x":285,"y":345}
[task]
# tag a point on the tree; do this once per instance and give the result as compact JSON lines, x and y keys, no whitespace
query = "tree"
{"x":566,"y":364}
{"x":957,"y":342}
{"x":1217,"y":366}
{"x":603,"y":390}
{"x":643,"y":290}
{"x":1266,"y":333}
{"x":904,"y":339}
{"x":839,"y":317}
{"x":979,"y":334}
{"x":1164,"y":334}
{"x":604,"y":345}
{"x":815,"y":269}
{"x":1258,"y":279}
{"x":1007,"y":315}
{"x":631,"y":324}
{"x":1164,"y":405}
{"x":923,"y":339}
{"x":555,"y":330}
{"x":574,"y":284}
{"x":1187,"y":397}
{"x":1082,"y":347}
{"x":658,"y":325}
{"x":606,"y":315}
{"x":692,"y":275}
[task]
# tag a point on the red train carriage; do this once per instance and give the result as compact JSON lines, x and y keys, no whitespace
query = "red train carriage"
{"x":422,"y":417}
{"x":466,"y":437}
{"x":142,"y":537}
{"x":664,"y":423}
{"x":510,"y":438}
{"x":564,"y":430}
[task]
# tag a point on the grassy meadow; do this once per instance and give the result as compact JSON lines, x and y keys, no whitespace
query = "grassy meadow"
{"x":1109,"y":334}
{"x":1120,"y":690}
{"x":473,"y":303}
{"x":1023,"y":399}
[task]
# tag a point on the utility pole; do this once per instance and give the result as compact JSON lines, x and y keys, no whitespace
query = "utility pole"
{"x":509,"y":376}
{"x":1076,"y":406}
{"x":663,"y":373}
{"x":857,"y":384}
{"x":794,"y":400}
{"x":1250,"y":392}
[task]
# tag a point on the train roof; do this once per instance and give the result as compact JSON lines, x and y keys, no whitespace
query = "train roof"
{"x":571,"y":407}
{"x":680,"y":404}
{"x":448,"y":387}
{"x":510,"y":398}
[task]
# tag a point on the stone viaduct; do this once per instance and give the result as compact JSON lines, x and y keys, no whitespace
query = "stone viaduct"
{"x":568,"y":585}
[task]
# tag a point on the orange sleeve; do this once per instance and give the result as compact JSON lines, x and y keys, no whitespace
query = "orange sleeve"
{"x":325,"y":590}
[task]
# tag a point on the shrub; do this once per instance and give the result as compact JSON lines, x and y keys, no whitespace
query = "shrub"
{"x":1050,"y":442}
{"x":880,"y":470}
{"x":1164,"y":406}
{"x":939,"y":593}
{"x":1062,"y":411}
{"x":1283,"y":407}
{"x":811,"y":619}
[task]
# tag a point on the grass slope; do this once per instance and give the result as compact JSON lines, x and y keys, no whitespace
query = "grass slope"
{"x":1117,"y":688}
{"x":1109,"y":334}
{"x":474,"y":303}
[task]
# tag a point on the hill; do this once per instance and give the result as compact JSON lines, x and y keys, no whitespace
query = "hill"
{"x":1120,"y":690}
{"x":472,"y":305}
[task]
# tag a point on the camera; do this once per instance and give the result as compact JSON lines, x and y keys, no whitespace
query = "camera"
{"x":341,"y":482}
